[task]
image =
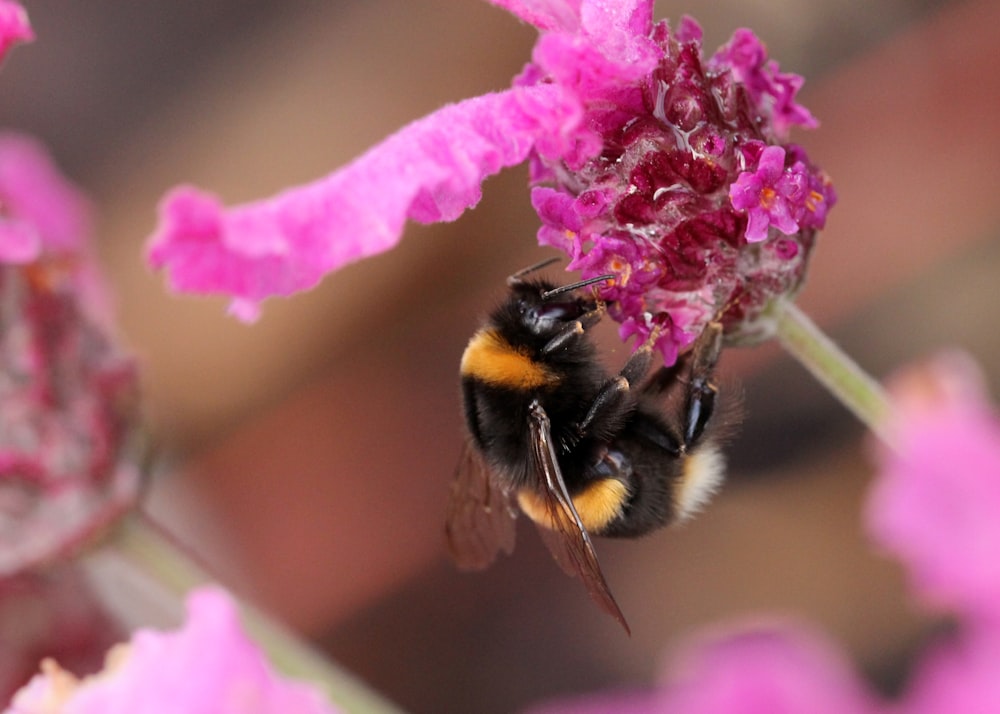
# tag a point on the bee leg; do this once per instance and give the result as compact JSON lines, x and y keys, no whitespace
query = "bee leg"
{"x":700,"y":401}
{"x":573,"y":330}
{"x":615,"y":399}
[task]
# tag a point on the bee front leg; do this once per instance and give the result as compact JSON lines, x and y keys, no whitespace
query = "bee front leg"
{"x":615,"y":400}
{"x":575,"y":329}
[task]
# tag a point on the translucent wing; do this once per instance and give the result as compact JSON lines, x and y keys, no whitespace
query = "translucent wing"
{"x":480,"y":519}
{"x":568,"y":539}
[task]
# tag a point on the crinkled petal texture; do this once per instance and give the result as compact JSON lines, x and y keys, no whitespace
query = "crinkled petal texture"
{"x":936,"y":503}
{"x":431,"y":170}
{"x":14,"y":26}
{"x":39,"y":209}
{"x":207,"y":667}
{"x":632,"y":136}
{"x":779,"y":669}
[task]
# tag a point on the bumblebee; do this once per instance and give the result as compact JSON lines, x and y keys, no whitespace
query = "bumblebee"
{"x":579,"y":452}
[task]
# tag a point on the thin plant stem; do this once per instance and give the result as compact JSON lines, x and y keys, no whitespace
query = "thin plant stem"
{"x":834,"y":368}
{"x":141,"y":568}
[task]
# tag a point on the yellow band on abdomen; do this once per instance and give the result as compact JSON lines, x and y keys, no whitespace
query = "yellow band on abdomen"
{"x":597,"y":505}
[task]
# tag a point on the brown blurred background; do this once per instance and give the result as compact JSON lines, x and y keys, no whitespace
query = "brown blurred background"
{"x":307,"y":457}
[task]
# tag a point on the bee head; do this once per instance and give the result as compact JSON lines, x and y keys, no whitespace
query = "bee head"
{"x":544,"y":308}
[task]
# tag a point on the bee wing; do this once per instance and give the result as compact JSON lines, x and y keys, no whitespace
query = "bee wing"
{"x":568,"y":540}
{"x":480,"y":519}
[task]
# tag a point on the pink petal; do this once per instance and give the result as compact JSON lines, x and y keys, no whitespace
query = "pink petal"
{"x":561,"y":15}
{"x":958,"y":675}
{"x":937,"y":496}
{"x":39,"y":208}
{"x":431,"y":170}
{"x":14,"y":26}
{"x":620,"y":30}
{"x":207,"y":666}
{"x":780,"y":669}
{"x":761,"y":670}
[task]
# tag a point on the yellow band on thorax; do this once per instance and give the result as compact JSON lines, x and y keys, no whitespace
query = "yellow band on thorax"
{"x":495,"y":361}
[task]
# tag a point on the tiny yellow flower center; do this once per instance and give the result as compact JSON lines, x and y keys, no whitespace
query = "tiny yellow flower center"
{"x":815,"y":198}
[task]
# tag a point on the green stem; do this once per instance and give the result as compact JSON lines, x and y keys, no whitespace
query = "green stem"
{"x":139,"y":558}
{"x":834,"y":368}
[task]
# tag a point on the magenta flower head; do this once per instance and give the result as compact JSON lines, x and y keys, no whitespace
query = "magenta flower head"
{"x":669,"y":171}
{"x":14,"y":26}
{"x":68,"y":406}
{"x":936,"y":503}
{"x":207,"y":667}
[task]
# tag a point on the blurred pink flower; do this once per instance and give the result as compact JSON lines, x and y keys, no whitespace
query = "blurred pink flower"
{"x":936,"y":503}
{"x":209,"y":666}
{"x":633,"y":141}
{"x":14,"y":26}
{"x":959,"y":674}
{"x":40,"y":210}
{"x":764,"y":669}
{"x":68,"y":394}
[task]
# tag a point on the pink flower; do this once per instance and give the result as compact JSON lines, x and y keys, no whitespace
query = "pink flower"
{"x":936,"y":504}
{"x":39,"y":209}
{"x":958,"y":675}
{"x":429,"y":171}
{"x":746,"y":57}
{"x":781,"y":669}
{"x":68,"y":394}
{"x":14,"y":26}
{"x":631,"y":137}
{"x":207,"y":667}
{"x":769,"y":194}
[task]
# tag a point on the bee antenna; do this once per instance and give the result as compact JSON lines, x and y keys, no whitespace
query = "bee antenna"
{"x":575,"y":286}
{"x":516,"y":277}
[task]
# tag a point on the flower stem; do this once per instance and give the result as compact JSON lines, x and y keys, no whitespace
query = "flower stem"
{"x":144,"y":577}
{"x":834,"y":368}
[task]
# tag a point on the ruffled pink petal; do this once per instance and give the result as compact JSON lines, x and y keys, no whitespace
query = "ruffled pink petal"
{"x":620,"y":30}
{"x":14,"y":26}
{"x":768,"y":670}
{"x":562,"y":15}
{"x":774,"y":670}
{"x":936,"y":501}
{"x":431,"y":170}
{"x":40,"y":210}
{"x":207,"y":666}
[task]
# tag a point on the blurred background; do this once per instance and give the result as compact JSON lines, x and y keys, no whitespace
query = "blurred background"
{"x":307,"y":457}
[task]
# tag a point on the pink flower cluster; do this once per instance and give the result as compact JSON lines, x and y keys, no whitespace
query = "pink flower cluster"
{"x":68,"y":394}
{"x":207,"y":667}
{"x":935,"y":505}
{"x":648,"y":162}
{"x":691,"y":173}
